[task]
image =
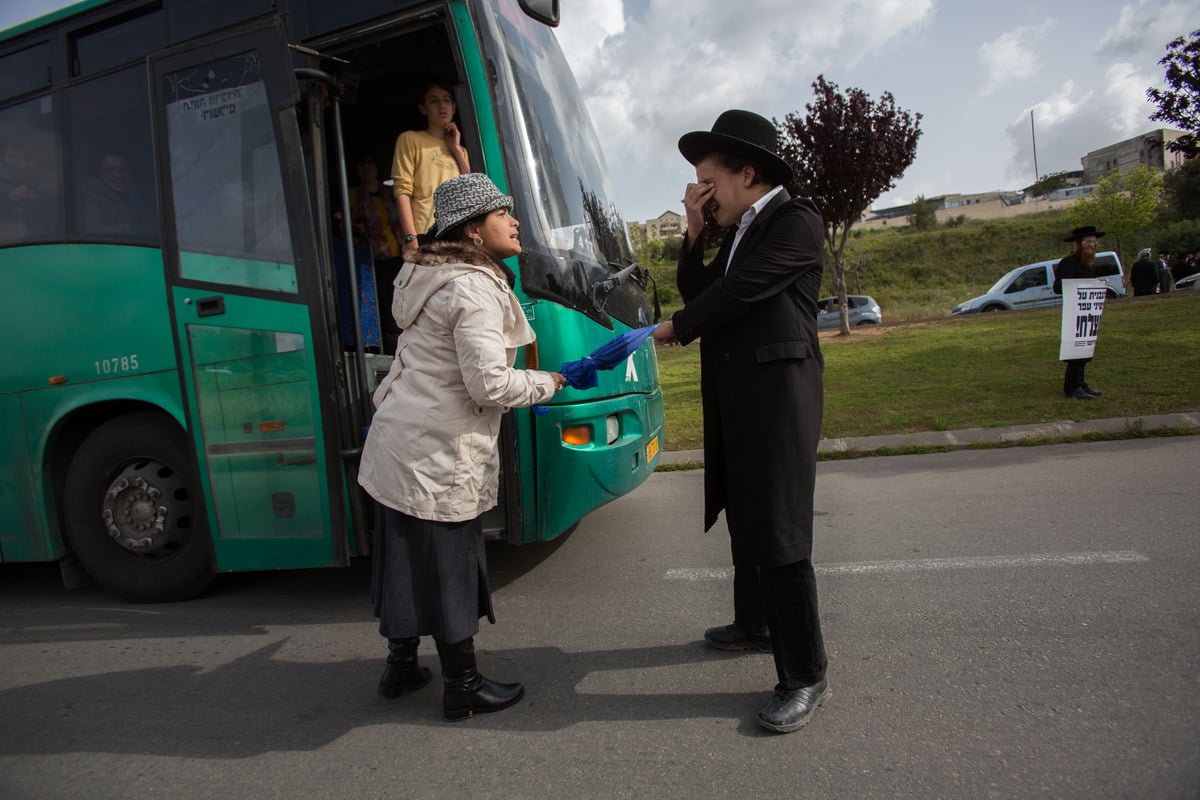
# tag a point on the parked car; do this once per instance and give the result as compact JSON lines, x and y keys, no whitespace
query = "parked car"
{"x":863,"y":311}
{"x":1031,"y":286}
{"x":1188,"y":282}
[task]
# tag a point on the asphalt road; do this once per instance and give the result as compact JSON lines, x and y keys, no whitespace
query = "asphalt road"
{"x":1000,"y":623}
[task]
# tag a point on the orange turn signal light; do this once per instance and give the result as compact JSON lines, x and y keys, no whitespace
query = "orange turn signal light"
{"x":577,"y":434}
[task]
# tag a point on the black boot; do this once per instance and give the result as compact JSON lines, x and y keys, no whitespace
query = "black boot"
{"x":402,"y":672}
{"x":468,"y":692}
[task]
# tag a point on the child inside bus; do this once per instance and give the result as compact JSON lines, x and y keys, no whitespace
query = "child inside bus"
{"x":375,"y":216}
{"x":423,"y":159}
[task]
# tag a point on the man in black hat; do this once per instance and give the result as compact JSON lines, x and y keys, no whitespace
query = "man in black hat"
{"x":754,"y":309}
{"x":1079,"y":264}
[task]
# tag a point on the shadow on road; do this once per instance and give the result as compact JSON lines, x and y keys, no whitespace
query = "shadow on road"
{"x":257,"y":703}
{"x":34,"y":606}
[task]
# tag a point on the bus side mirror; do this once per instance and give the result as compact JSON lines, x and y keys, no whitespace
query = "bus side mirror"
{"x":545,"y":11}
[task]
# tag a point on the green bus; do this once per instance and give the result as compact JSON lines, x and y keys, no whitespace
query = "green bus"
{"x":179,"y":392}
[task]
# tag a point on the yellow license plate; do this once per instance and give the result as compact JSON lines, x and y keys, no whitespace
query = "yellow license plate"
{"x":652,"y":450}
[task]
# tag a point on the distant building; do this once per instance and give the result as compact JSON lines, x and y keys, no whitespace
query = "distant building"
{"x":1071,"y":192}
{"x":667,"y":225}
{"x":945,"y":202}
{"x":1149,"y":149}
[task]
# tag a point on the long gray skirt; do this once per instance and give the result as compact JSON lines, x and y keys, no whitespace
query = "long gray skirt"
{"x":429,"y":578}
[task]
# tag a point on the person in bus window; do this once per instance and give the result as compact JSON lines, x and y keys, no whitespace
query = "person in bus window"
{"x":109,"y":203}
{"x":19,"y":195}
{"x":430,"y":458}
{"x":424,"y":159}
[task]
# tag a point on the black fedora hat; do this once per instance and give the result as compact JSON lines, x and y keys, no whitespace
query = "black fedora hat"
{"x":742,"y":134}
{"x":1080,"y":233}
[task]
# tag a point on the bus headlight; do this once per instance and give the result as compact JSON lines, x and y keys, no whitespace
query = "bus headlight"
{"x":612,"y":428}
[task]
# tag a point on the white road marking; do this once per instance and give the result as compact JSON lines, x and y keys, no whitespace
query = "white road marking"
{"x":925,"y":564}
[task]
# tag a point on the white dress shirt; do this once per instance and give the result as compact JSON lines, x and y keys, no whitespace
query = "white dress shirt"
{"x":748,"y":218}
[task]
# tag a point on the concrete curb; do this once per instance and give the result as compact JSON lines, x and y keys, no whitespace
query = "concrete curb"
{"x":970,"y":436}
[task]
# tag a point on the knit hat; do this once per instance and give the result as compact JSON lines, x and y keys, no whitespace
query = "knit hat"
{"x":465,"y":197}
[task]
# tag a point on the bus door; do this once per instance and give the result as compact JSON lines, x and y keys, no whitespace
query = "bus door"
{"x":241,"y":261}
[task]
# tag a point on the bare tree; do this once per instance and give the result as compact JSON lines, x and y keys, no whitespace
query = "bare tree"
{"x":846,"y":151}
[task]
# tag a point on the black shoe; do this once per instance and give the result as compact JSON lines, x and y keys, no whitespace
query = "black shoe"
{"x":467,"y":692}
{"x":478,"y":695}
{"x":734,"y":637}
{"x":402,"y":673}
{"x":1092,"y":391}
{"x":791,"y":710}
{"x":1082,"y":394}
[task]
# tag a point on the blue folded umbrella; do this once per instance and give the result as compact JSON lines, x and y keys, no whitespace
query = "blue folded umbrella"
{"x":581,"y":374}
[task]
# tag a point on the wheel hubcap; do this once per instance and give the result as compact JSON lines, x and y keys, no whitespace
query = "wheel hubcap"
{"x":147,"y":509}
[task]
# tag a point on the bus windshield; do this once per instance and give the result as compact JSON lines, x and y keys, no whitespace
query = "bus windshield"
{"x":574,"y":242}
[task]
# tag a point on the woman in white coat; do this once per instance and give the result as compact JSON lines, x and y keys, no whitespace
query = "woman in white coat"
{"x":430,"y":457}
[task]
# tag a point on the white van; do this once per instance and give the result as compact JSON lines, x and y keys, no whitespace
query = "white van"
{"x":1031,"y":286}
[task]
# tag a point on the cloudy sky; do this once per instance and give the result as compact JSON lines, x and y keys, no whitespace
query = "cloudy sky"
{"x":652,"y":70}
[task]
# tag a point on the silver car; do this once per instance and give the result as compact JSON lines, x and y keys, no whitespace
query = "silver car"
{"x":1031,"y":286}
{"x":863,"y":310}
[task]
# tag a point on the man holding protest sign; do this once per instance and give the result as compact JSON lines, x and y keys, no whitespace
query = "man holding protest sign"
{"x":1083,"y":302}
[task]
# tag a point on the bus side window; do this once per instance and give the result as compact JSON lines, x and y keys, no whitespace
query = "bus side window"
{"x":111,"y":164}
{"x":30,"y":206}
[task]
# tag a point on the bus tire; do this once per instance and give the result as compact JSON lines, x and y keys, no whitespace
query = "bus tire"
{"x":132,"y":511}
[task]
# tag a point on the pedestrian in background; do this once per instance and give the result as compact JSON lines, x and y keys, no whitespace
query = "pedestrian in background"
{"x":754,"y":309}
{"x":430,"y":457}
{"x":1165,"y":279}
{"x":1144,"y":274}
{"x":1079,"y":264}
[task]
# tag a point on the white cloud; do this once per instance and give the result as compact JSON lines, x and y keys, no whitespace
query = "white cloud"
{"x":1068,"y":124}
{"x":650,"y":78}
{"x":1148,"y":25}
{"x":1010,"y":57}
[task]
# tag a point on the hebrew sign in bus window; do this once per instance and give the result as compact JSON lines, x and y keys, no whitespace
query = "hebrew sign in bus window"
{"x":230,"y":211}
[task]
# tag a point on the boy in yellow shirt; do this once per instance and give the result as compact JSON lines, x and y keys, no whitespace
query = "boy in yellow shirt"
{"x":424,"y":159}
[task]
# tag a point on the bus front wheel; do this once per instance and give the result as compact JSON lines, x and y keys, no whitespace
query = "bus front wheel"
{"x":131,"y":511}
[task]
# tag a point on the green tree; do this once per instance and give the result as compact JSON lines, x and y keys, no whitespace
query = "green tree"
{"x":1181,"y":190}
{"x":846,"y":151}
{"x":671,"y":249}
{"x":1122,"y":203}
{"x":922,"y":215}
{"x":648,"y":251}
{"x":1178,"y":238}
{"x":1180,"y":105}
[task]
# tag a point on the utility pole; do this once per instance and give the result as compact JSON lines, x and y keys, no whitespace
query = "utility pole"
{"x":1033,"y":135}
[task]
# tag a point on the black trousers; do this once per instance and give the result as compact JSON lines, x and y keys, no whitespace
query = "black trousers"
{"x":1073,"y":379}
{"x":784,"y":600}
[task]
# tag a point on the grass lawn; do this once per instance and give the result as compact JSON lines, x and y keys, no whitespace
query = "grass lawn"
{"x":982,"y":371}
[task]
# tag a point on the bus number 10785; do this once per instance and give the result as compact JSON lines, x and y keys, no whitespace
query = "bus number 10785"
{"x":116,"y":365}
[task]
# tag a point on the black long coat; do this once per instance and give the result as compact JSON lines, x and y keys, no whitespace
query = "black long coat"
{"x":1070,"y":268}
{"x":760,"y":378}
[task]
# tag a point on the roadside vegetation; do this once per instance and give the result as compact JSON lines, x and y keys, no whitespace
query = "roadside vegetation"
{"x":980,"y":371}
{"x":920,"y":275}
